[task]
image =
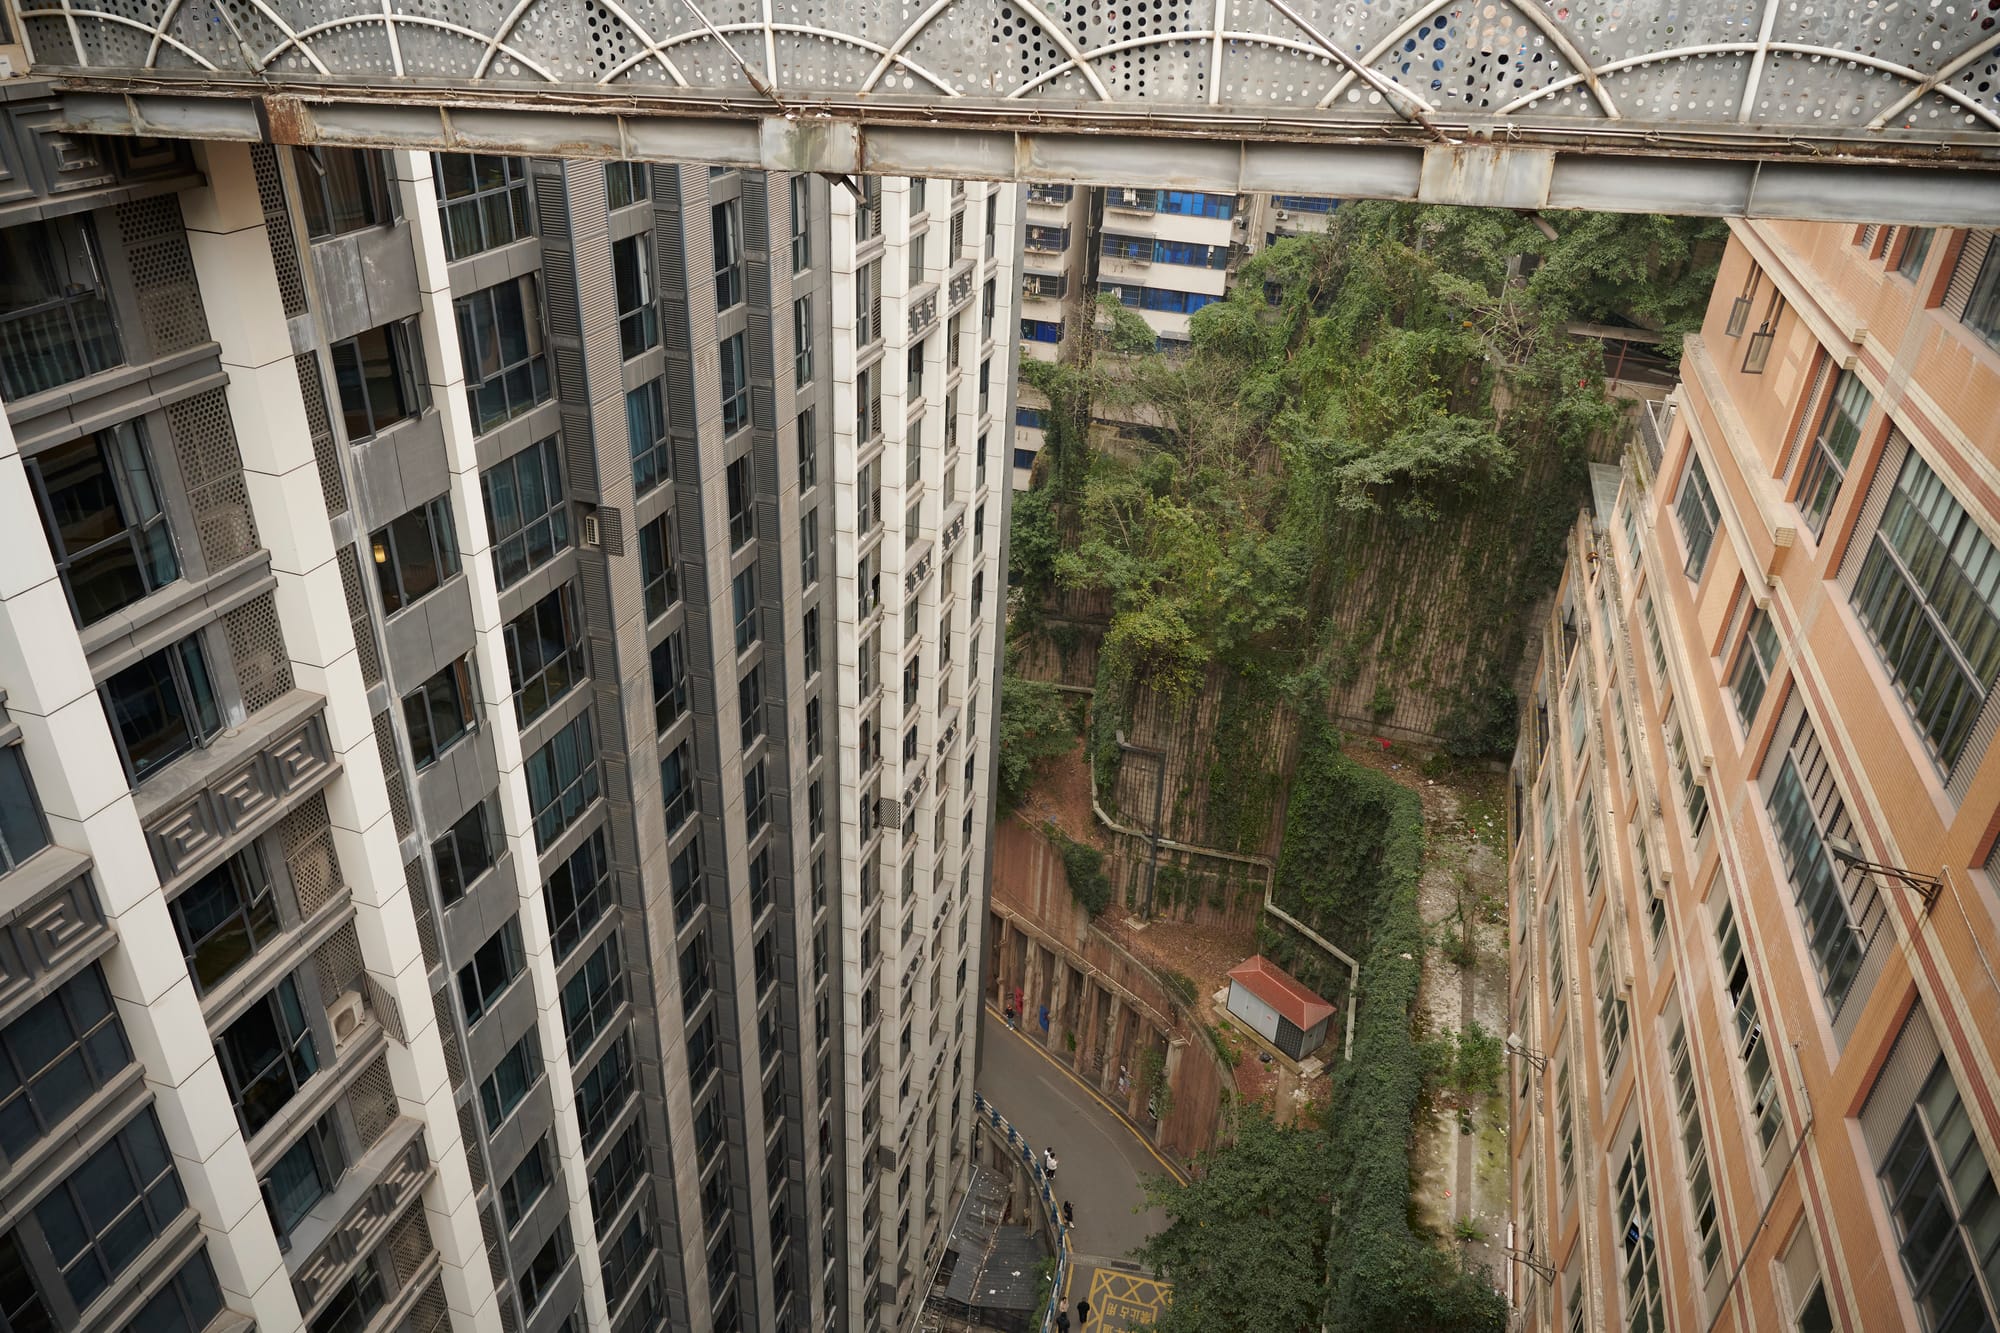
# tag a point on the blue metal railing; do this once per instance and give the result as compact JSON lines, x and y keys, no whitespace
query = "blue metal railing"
{"x":1050,"y":1209}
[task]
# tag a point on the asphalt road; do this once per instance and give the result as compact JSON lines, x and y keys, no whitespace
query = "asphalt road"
{"x":1100,"y":1161}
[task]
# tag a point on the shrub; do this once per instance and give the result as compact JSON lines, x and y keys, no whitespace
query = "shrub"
{"x":1088,"y":883}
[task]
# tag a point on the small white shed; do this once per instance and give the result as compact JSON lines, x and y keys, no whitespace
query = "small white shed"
{"x":1272,"y":1003}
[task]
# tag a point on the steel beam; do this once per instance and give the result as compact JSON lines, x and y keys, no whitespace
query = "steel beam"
{"x":1544,"y":171}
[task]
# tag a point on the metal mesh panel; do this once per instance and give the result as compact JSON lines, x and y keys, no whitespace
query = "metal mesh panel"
{"x":392,"y":774}
{"x":420,"y":906}
{"x":339,"y":962}
{"x":447,"y":1021}
{"x":509,"y":1321}
{"x":156,"y":250}
{"x":312,"y":388}
{"x":257,"y":647}
{"x":430,"y":1314}
{"x":306,"y":834}
{"x":496,"y":1258}
{"x":410,"y":1245}
{"x":372,"y":1102}
{"x":278,"y":226}
{"x":357,"y":616}
{"x":475,"y":1154}
{"x":212,"y":474}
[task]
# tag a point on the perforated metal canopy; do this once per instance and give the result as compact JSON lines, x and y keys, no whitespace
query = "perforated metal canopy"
{"x":1676,"y":104}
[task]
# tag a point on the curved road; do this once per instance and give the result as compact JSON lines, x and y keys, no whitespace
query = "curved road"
{"x":1101,"y":1163}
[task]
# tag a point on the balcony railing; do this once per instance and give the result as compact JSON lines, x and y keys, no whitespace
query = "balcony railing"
{"x":55,"y":342}
{"x":1133,"y":201}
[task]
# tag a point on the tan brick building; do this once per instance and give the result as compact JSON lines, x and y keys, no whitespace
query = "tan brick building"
{"x":1755,"y":1079}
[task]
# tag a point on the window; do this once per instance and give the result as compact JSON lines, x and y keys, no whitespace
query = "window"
{"x":1041,"y":330}
{"x":414,"y":554}
{"x":868,"y":303}
{"x":750,"y":705}
{"x":808,"y":446}
{"x":1982,"y":308}
{"x":224,"y":918}
{"x":1694,"y":1146}
{"x":624,"y":1260}
{"x":809,"y":639}
{"x":646,"y":436}
{"x":463,"y":854}
{"x":379,"y":375}
{"x":1916,"y":249}
{"x":1553,"y":941}
{"x":1639,"y":1261}
{"x":161,"y":707}
{"x":110,"y":1208}
{"x":868,"y":403}
{"x":56,"y":324}
{"x":508,"y":1085}
{"x":685,"y":877}
{"x":544,"y":654}
{"x":677,"y":785}
{"x":103,"y":519}
{"x":868,"y":209}
{"x":526,"y":1184}
{"x":659,"y":575}
{"x":626,"y":183}
{"x":1942,"y":1202}
{"x":562,"y":780}
{"x":697,"y":972}
{"x":815,"y":740}
{"x":755,"y":808}
{"x":1747,"y":1032}
{"x":54,"y":1056}
{"x":493,"y":967}
{"x":1832,"y":449}
{"x":670,"y":682}
{"x":604,"y":1091}
{"x":1694,"y":796}
{"x":809,"y":548}
{"x":1754,"y":663}
{"x":632,"y":280}
{"x":438,"y":712}
{"x":802,"y":339}
{"x":1698,"y":514}
{"x":702,"y":1051}
{"x":525,"y":511}
{"x":735,"y":384}
{"x":744,"y":597}
{"x":760,"y":882}
{"x":726,"y":221}
{"x":1614,"y":1021}
{"x":482,"y":200}
{"x":986,"y":386}
{"x":591,"y":997}
{"x":576,"y":894}
{"x":267,"y":1055}
{"x":1162,"y":299}
{"x":1929,"y":594}
{"x":354,"y":1306}
{"x":742,"y":489}
{"x":1831,"y":934}
{"x":187,"y":1303}
{"x":306,"y":1173}
{"x":618,"y":1174}
{"x":500,"y":341}
{"x":801,"y":223}
{"x":913,"y":372}
{"x":22,"y":829}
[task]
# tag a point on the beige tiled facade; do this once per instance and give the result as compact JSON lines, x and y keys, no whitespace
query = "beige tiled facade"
{"x":1755,"y":1081}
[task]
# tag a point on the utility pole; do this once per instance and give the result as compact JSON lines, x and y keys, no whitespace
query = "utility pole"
{"x":1159,"y":758}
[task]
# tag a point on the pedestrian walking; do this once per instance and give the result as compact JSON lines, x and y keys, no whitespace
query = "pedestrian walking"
{"x":1069,"y":1218}
{"x":1049,"y":1163}
{"x":1062,"y":1315}
{"x":1010,"y":1018}
{"x":1082,"y":1313}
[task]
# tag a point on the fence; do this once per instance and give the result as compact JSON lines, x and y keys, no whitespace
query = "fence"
{"x":1050,"y":1216}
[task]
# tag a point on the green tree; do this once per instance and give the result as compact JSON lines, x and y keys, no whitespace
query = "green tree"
{"x":1245,"y":1243}
{"x":1035,"y":725}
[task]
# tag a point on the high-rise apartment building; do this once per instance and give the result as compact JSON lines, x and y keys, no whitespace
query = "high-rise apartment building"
{"x":1754,"y":879}
{"x":499,"y":680}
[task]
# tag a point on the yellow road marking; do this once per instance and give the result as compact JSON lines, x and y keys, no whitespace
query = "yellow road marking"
{"x":1094,"y":1095}
{"x":1129,"y":1299}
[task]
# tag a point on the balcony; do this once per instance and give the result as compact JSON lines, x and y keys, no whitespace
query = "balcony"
{"x":958,"y":288}
{"x":1132,"y":201}
{"x":919,"y":569}
{"x":1051,"y":194}
{"x":923,"y":304}
{"x":354,"y":1219}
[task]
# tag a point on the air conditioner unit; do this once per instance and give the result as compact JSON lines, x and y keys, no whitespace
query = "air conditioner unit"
{"x":1282,"y":215}
{"x":346,"y":1015}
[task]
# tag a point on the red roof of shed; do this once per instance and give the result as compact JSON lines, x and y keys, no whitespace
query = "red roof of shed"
{"x":1279,"y":989}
